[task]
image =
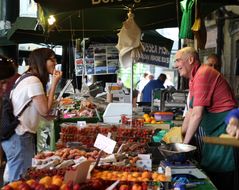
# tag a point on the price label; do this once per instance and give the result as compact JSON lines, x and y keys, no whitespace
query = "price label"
{"x":104,"y":143}
{"x":80,"y":160}
{"x":81,"y":124}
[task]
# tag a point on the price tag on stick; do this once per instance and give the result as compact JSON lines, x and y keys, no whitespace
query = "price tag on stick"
{"x":79,"y":174}
{"x":104,"y":143}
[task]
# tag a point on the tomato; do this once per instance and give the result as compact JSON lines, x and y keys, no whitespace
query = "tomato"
{"x":136,"y":187}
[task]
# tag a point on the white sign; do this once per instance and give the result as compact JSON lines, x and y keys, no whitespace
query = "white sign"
{"x":145,"y":164}
{"x":104,"y":143}
{"x":81,"y":124}
{"x":28,"y":8}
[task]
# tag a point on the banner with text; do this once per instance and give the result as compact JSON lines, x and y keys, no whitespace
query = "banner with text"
{"x":155,"y":55}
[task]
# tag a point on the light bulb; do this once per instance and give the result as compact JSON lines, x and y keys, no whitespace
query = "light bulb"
{"x":51,"y":20}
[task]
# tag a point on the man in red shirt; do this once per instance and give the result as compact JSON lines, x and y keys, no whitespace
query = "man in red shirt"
{"x":211,"y":98}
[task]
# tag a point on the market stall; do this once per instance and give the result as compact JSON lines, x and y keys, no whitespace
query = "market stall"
{"x":90,"y":158}
{"x":89,"y":155}
{"x":67,"y":110}
{"x":131,"y":154}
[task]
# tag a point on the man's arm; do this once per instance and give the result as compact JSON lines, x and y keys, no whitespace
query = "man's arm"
{"x":186,"y":122}
{"x":193,"y":124}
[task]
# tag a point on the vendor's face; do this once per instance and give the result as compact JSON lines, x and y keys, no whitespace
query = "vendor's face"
{"x":182,"y":64}
{"x":51,"y":63}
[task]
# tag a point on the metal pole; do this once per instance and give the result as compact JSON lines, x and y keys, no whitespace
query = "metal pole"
{"x":132,"y":87}
{"x":132,"y":82}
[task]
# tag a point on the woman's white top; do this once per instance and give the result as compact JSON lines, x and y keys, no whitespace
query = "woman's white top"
{"x":25,"y":90}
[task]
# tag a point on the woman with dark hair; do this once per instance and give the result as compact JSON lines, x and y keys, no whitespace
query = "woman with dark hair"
{"x":20,"y":147}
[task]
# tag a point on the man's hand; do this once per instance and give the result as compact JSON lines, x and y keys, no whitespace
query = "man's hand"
{"x":193,"y":123}
{"x":233,"y":127}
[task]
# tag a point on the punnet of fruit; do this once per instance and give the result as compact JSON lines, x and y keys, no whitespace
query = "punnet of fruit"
{"x":151,"y":119}
{"x":145,"y":176}
{"x":56,"y":183}
{"x":163,"y":116}
{"x":47,"y":182}
{"x":132,"y":121}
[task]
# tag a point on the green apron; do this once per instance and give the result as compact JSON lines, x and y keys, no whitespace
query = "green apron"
{"x":216,"y":158}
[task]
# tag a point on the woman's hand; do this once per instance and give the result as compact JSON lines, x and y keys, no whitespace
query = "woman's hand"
{"x":56,"y":76}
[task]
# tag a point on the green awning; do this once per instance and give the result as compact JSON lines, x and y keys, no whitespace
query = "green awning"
{"x":87,"y":18}
{"x":5,"y":42}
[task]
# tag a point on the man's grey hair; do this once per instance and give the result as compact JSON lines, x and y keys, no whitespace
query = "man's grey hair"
{"x":190,"y":51}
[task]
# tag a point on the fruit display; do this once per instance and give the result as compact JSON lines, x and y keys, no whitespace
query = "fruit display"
{"x":37,"y":174}
{"x":57,"y":183}
{"x":120,"y":133}
{"x":47,"y":182}
{"x":140,"y":135}
{"x":151,"y":119}
{"x":144,"y":176}
{"x":74,"y":108}
{"x":101,"y":177}
{"x":132,"y":121}
{"x":63,"y":158}
{"x":67,"y":153}
{"x":50,"y":169}
{"x":66,"y":101}
{"x":133,"y":148}
{"x":127,"y":173}
{"x":119,"y":168}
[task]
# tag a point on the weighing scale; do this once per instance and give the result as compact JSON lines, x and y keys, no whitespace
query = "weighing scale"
{"x":186,"y":168}
{"x":118,"y":93}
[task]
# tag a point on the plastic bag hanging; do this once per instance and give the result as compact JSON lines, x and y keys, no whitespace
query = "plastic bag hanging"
{"x":129,"y":44}
{"x":186,"y":22}
{"x":199,"y":28}
{"x":85,"y":91}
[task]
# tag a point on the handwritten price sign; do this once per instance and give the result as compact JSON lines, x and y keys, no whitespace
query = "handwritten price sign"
{"x":104,"y":143}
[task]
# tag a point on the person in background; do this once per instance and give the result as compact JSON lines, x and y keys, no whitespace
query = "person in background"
{"x":120,"y":82}
{"x":7,"y":70}
{"x":168,"y":82}
{"x":20,"y":147}
{"x":211,"y":98}
{"x":151,"y":77}
{"x":152,"y":85}
{"x":213,"y":61}
{"x":141,"y":84}
{"x":11,"y":80}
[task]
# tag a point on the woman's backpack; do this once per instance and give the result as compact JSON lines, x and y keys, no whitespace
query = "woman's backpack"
{"x":9,"y":120}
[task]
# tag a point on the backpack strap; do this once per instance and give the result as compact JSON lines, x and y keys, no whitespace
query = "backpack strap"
{"x":25,"y":75}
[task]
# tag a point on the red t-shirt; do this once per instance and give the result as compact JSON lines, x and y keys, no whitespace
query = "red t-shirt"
{"x":210,"y":89}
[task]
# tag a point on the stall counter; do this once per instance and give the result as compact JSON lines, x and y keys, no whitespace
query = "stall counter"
{"x":49,"y":131}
